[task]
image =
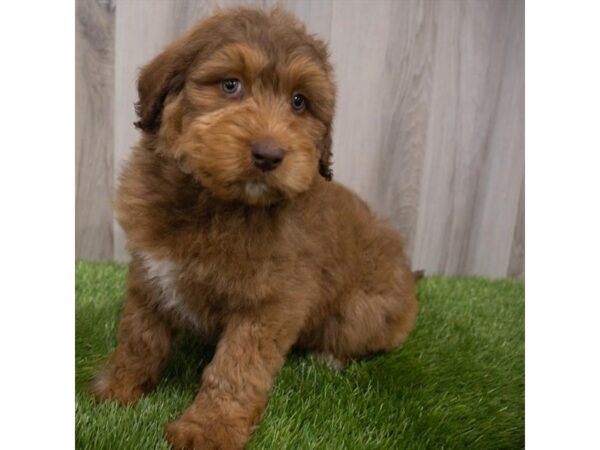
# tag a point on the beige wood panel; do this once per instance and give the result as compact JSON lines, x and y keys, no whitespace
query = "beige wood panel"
{"x":94,"y":50}
{"x":516,"y":267}
{"x":407,"y":76}
{"x":357,"y":31}
{"x":383,"y":63}
{"x":430,"y":117}
{"x":315,"y":14}
{"x":474,"y":158}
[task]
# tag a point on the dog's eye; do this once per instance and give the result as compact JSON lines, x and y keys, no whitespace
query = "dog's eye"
{"x":232,"y":87}
{"x":298,"y":103}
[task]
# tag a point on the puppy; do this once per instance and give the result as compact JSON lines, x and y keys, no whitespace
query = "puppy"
{"x":236,"y":231}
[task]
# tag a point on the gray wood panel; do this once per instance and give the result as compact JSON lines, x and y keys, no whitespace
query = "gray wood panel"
{"x":94,"y":89}
{"x":474,"y":161}
{"x":315,"y":14}
{"x":516,"y":267}
{"x":430,"y":121}
{"x":384,"y":69}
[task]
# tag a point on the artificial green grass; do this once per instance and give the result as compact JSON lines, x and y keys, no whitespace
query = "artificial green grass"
{"x":458,"y":383}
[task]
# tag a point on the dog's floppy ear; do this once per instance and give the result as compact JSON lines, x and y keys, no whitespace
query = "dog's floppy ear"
{"x":327,"y":107}
{"x":165,"y":75}
{"x":325,"y":161}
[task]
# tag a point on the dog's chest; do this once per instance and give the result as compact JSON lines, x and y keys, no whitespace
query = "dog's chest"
{"x":165,"y":275}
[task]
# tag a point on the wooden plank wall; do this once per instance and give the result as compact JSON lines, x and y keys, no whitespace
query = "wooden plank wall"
{"x":94,"y":93}
{"x":429,"y":129}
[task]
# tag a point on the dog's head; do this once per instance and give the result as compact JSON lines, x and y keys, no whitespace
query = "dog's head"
{"x":244,"y":102}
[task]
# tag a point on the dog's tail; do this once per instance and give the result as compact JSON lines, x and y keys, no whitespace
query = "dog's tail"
{"x":418,"y":274}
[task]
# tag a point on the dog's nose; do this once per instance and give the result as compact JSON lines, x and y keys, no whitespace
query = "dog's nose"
{"x":266,"y":155}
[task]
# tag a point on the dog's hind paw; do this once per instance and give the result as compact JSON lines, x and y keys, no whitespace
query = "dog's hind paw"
{"x":331,"y":361}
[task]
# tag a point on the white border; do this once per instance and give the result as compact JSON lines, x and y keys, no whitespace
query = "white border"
{"x":37,"y":186}
{"x":562,"y":224}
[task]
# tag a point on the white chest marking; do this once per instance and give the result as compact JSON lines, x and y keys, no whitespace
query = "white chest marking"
{"x":164,"y":273}
{"x":255,"y":189}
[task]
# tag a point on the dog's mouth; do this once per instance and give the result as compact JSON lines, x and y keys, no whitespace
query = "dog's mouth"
{"x":247,"y":185}
{"x":255,"y":189}
{"x":259,"y":191}
{"x":258,"y":187}
{"x":231,"y":174}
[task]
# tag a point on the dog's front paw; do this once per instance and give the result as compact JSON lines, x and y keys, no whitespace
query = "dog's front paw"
{"x":186,"y":433}
{"x":107,"y":387}
{"x":182,"y":434}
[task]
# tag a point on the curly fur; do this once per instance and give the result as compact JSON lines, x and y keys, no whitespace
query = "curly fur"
{"x":257,"y":261}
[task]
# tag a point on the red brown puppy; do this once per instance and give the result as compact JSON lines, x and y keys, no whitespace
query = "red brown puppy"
{"x":236,"y":231}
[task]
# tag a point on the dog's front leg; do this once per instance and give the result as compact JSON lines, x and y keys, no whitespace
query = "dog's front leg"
{"x":144,"y":343}
{"x":236,"y":384}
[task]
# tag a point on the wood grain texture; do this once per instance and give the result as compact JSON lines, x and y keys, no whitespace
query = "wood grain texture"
{"x":474,"y":161}
{"x":516,"y":267}
{"x":385,"y":82}
{"x":94,"y":89}
{"x":316,"y":15}
{"x":430,"y":118}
